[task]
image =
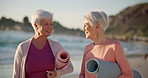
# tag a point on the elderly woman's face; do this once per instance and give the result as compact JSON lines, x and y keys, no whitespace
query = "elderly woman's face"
{"x":89,"y":30}
{"x":45,"y":27}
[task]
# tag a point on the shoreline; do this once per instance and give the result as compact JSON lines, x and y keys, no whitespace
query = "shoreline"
{"x":131,"y":38}
{"x":128,"y":38}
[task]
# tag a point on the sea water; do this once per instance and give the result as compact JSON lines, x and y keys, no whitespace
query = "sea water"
{"x":9,"y":41}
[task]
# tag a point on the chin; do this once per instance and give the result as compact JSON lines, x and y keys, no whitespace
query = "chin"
{"x":87,"y":37}
{"x":47,"y":35}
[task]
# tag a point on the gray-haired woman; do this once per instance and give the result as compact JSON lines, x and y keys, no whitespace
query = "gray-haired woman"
{"x":35,"y":57}
{"x":102,"y":48}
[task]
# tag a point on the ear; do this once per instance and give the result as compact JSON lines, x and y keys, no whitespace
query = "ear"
{"x":98,"y":26}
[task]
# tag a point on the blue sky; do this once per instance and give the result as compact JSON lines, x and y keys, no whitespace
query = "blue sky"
{"x":68,"y":12}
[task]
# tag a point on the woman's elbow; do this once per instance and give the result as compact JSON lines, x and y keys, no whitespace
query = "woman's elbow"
{"x":125,"y":75}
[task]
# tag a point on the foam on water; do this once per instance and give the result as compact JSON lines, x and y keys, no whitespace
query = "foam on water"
{"x":9,"y":41}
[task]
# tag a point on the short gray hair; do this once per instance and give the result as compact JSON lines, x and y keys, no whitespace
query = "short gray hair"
{"x":40,"y":14}
{"x":98,"y":17}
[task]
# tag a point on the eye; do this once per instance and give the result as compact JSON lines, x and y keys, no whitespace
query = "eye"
{"x":45,"y":24}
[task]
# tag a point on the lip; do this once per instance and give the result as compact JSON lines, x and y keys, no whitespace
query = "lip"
{"x":86,"y":32}
{"x":47,"y":31}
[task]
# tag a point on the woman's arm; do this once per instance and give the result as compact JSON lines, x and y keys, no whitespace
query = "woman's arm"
{"x":87,"y":48}
{"x":123,"y":62}
{"x":65,"y":70}
{"x":17,"y":62}
{"x":82,"y":73}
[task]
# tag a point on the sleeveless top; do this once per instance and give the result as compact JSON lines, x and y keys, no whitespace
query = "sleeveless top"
{"x":39,"y":61}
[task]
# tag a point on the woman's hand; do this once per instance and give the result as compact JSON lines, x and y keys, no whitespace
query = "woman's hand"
{"x":51,"y":74}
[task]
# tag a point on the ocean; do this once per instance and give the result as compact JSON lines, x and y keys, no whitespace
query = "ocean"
{"x":9,"y":41}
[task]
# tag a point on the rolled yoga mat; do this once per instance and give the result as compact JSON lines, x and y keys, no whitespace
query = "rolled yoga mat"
{"x":62,"y":59}
{"x":104,"y":69}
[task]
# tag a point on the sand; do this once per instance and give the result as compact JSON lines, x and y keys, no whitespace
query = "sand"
{"x":136,"y":63}
{"x":139,"y":64}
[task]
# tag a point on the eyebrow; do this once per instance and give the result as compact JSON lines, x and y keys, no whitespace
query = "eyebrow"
{"x":86,"y":24}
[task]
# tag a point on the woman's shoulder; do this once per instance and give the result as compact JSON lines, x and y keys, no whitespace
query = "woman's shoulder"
{"x":52,"y":41}
{"x":112,"y":41}
{"x":23,"y":45}
{"x":26,"y":42}
{"x":114,"y":44}
{"x":56,"y":46}
{"x":89,"y":45}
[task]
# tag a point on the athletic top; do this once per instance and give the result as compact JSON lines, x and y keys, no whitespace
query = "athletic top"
{"x":39,"y":61}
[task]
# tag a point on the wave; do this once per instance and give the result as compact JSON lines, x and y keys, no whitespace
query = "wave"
{"x":9,"y":41}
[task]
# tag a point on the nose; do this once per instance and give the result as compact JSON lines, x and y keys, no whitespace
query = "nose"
{"x":50,"y":26}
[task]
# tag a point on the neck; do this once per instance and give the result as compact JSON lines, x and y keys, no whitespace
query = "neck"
{"x":40,"y":38}
{"x":99,"y":38}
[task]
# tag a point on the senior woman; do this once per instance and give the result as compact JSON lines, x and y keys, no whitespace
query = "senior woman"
{"x":102,"y":48}
{"x":35,"y":58}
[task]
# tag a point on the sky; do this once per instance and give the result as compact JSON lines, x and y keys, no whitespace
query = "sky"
{"x":68,"y":12}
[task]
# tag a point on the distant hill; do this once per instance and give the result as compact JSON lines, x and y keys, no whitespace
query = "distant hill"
{"x":132,"y":21}
{"x":129,"y":24}
{"x":59,"y":29}
{"x":10,"y":24}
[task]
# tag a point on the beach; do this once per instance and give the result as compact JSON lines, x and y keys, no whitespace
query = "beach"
{"x":9,"y":41}
{"x":137,"y":63}
{"x":140,"y":64}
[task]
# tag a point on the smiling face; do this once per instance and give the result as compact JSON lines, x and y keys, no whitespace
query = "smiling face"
{"x":45,"y":27}
{"x":89,"y":29}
